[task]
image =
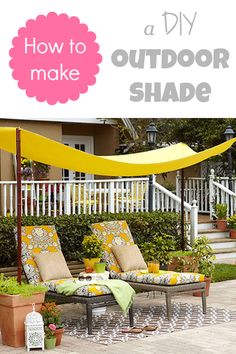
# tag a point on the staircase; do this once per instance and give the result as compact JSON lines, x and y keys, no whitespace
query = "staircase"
{"x":224,"y":247}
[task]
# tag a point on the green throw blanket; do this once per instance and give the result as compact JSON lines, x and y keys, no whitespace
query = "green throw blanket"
{"x":122,"y":291}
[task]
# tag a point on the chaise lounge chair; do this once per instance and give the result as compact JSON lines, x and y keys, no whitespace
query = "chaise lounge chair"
{"x":114,"y":233}
{"x":44,"y":240}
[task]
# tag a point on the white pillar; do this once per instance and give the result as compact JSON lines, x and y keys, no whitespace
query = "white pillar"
{"x":211,"y":193}
{"x":177,"y":188}
{"x":194,"y":221}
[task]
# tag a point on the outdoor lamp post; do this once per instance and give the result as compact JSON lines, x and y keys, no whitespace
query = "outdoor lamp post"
{"x":151,"y":132}
{"x":229,"y":134}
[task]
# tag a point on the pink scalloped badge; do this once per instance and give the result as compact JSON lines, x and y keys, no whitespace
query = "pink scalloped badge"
{"x":55,"y":58}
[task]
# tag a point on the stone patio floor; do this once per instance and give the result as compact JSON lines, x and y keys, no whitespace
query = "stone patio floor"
{"x":213,"y":339}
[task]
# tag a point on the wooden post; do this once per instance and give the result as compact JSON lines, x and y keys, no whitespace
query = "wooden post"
{"x":19,"y":202}
{"x":182,"y":209}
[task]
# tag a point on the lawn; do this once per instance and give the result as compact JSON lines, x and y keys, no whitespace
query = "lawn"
{"x":224,"y":272}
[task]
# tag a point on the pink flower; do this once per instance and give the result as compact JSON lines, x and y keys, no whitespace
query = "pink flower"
{"x":52,"y":327}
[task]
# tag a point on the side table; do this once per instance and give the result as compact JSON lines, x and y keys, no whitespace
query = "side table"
{"x":97,"y":276}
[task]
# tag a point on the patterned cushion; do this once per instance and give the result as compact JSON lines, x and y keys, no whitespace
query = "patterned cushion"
{"x":118,"y":233}
{"x":87,"y":290}
{"x":162,"y":278}
{"x":112,"y":233}
{"x":37,"y":239}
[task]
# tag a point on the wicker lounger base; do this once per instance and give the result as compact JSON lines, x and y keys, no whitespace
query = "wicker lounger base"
{"x":170,"y":290}
{"x":91,"y":303}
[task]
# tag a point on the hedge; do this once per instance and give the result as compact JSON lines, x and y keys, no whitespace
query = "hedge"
{"x":72,"y":228}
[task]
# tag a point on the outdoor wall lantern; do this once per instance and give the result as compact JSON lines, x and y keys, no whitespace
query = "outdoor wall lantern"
{"x":229,"y":133}
{"x":34,"y":330}
{"x":151,"y":132}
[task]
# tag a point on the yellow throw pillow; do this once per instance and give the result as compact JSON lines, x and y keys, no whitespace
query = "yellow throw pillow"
{"x":129,"y":257}
{"x":52,"y":266}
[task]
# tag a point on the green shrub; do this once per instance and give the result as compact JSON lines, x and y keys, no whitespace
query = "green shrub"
{"x":72,"y":228}
{"x":181,"y":253}
{"x":159,"y":249}
{"x":232,"y":222}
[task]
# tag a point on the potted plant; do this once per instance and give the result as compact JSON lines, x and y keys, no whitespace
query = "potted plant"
{"x":204,"y":253}
{"x":149,"y":252}
{"x":183,"y":261}
{"x":92,"y":251}
{"x":50,"y":337}
{"x":221,"y":214}
{"x":26,"y":169}
{"x":52,"y":315}
{"x":232,"y":226}
{"x":164,"y":245}
{"x":15,"y":303}
{"x":40,"y":171}
{"x":159,"y":249}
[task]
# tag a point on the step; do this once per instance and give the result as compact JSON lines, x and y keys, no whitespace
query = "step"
{"x":206,"y":225}
{"x":225,"y":253}
{"x":214,"y":233}
{"x":225,"y":243}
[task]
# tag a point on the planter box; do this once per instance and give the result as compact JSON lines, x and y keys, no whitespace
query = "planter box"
{"x":13,"y":310}
{"x":208,"y":283}
{"x":184,"y":264}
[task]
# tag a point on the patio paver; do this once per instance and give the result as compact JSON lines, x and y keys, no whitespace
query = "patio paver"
{"x":212,"y":339}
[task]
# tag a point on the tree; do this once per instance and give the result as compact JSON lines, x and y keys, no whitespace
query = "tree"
{"x":198,"y":133}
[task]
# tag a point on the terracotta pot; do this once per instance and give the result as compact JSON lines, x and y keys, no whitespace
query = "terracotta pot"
{"x":177,"y":263}
{"x":58,"y":333}
{"x":221,"y":224}
{"x":13,"y":310}
{"x":232,"y":233}
{"x":208,"y":283}
{"x":50,"y":343}
{"x":90,"y":262}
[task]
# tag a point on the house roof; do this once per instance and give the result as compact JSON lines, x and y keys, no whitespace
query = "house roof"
{"x":38,"y":148}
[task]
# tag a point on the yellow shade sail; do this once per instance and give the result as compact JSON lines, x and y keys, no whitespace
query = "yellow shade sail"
{"x":38,"y":148}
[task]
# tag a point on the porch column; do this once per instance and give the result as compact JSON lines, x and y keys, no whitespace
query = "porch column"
{"x":211,"y":193}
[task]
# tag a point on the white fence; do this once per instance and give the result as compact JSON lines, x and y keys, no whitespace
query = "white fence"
{"x":76,"y":197}
{"x":55,"y":198}
{"x":195,"y":188}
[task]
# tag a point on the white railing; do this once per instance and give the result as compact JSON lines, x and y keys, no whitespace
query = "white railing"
{"x":221,"y":194}
{"x":195,"y":188}
{"x":55,"y":198}
{"x":208,"y":192}
{"x":165,"y":200}
{"x":76,"y":197}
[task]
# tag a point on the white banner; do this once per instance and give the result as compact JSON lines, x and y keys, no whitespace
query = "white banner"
{"x":156,"y":59}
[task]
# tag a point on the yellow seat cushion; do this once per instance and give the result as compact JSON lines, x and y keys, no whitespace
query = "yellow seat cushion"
{"x":161,"y":278}
{"x":86,"y":290}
